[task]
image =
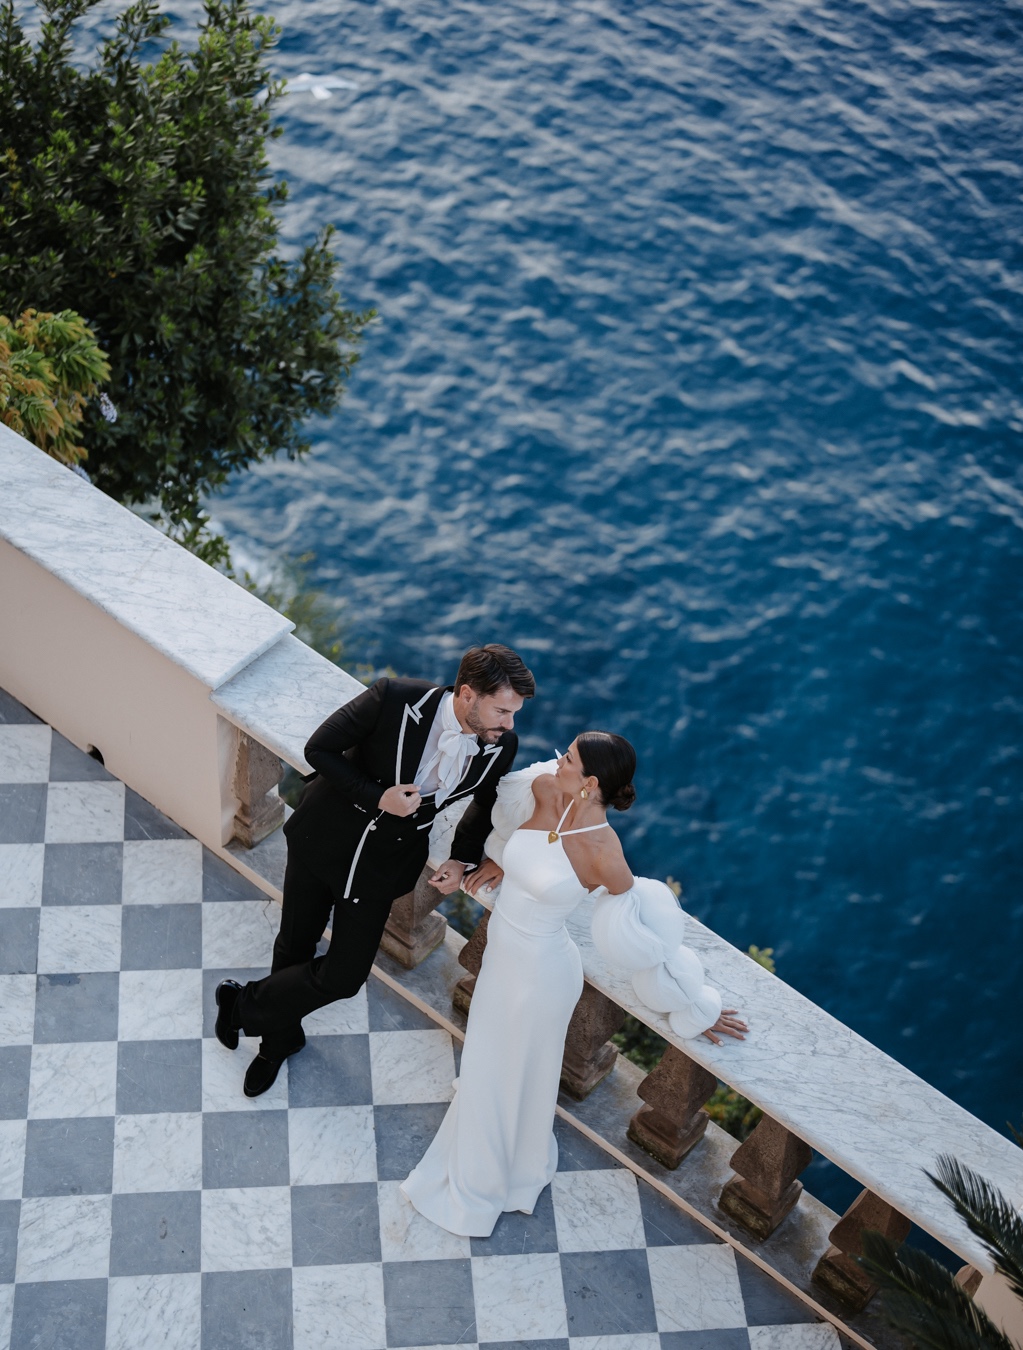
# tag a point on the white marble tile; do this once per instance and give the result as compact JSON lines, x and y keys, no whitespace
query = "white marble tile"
{"x":74,"y":939}
{"x":247,"y":1228}
{"x":799,"y":1336}
{"x":223,"y":1072}
{"x":339,"y":1307}
{"x":519,"y":1297}
{"x":12,"y":1158}
{"x":158,"y":1152}
{"x":411,"y":1066}
{"x":78,"y":1079}
{"x":194,"y":615}
{"x":239,"y":933}
{"x":85,"y":813}
{"x":642,"y":1340}
{"x":405,"y":1235}
{"x":160,"y":1312}
{"x":695,"y":1288}
{"x":24,"y":754}
{"x":331,"y":1145}
{"x":162,"y":872}
{"x":6,"y":1312}
{"x":597,"y":1211}
{"x":17,"y":1009}
{"x":160,"y":1005}
{"x":21,"y":875}
{"x":64,"y":1237}
{"x":346,"y":1016}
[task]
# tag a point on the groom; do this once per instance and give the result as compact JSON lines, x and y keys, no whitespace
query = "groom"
{"x":385,"y":764}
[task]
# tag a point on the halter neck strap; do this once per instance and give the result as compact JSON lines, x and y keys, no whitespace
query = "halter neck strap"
{"x":583,"y":829}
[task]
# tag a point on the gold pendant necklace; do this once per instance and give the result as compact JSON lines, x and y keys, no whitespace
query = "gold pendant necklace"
{"x":552,"y":837}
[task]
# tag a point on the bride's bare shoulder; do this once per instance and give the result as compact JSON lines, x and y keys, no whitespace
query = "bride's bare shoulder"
{"x":544,"y":785}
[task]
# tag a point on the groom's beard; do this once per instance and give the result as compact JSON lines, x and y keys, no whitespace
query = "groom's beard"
{"x":488,"y":735}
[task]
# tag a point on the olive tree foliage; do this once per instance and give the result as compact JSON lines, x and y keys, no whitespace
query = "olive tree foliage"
{"x":138,"y":193}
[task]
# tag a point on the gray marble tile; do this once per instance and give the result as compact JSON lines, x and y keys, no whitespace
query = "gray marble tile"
{"x":82,"y":874}
{"x":68,"y":764}
{"x":12,"y":712}
{"x":24,"y":753}
{"x":220,"y":881}
{"x":60,"y":1315}
{"x":388,"y":1011}
{"x":518,"y":1234}
{"x":730,"y":1338}
{"x":158,"y":1152}
{"x":665,"y":1225}
{"x":154,"y":1312}
{"x":161,"y":937}
{"x":331,"y":1071}
{"x":429,"y":1302}
{"x":19,"y":941}
{"x":21,"y":875}
{"x":85,"y":813}
{"x":157,"y":1076}
{"x":548,"y":1343}
{"x":64,"y":1237}
{"x":211,"y":977}
{"x":335,"y":1225}
{"x":69,"y":1157}
{"x":73,"y":1078}
{"x":765,"y":1301}
{"x":331,"y":1145}
{"x":245,"y":1309}
{"x":519,"y":1297}
{"x":327,"y":1298}
{"x":142,"y":820}
{"x":403,"y":1134}
{"x":819,"y":1336}
{"x":160,"y":1005}
{"x":246,"y":1229}
{"x":696,"y":1288}
{"x":22,"y":813}
{"x":607,"y":1293}
{"x":576,"y":1153}
{"x":10,"y":1214}
{"x":245,"y":1148}
{"x":162,"y":872}
{"x":155,"y":1233}
{"x":15,"y":1068}
{"x":79,"y":938}
{"x":76,"y":1007}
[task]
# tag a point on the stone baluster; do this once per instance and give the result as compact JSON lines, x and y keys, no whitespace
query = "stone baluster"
{"x":589,"y":1054}
{"x":765,"y":1189}
{"x":413,"y":930}
{"x":471,"y":957}
{"x":673,"y":1119}
{"x":969,"y":1278}
{"x":257,"y":772}
{"x":837,"y":1270}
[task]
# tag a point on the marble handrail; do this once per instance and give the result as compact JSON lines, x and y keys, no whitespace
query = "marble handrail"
{"x":190,"y":613}
{"x":843,"y":1096}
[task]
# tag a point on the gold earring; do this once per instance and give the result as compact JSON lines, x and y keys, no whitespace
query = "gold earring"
{"x":584,"y":794}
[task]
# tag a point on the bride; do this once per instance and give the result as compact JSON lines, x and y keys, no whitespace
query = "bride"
{"x":552,"y":843}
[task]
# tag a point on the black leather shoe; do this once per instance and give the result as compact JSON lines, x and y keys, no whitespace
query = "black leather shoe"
{"x":262,"y":1073}
{"x":227,"y":997}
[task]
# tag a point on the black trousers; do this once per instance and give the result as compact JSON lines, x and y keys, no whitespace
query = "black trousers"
{"x":300,"y":981}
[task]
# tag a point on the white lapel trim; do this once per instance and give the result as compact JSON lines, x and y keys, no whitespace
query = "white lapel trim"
{"x":415,"y":711}
{"x":488,"y":750}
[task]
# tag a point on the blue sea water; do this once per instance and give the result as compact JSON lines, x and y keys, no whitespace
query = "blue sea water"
{"x":697,"y":380}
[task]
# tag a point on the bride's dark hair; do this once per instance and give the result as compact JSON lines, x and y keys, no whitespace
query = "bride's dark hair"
{"x":611,"y":760}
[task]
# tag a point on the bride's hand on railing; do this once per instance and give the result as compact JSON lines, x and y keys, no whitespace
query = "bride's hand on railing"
{"x":488,"y":875}
{"x":729,"y":1024}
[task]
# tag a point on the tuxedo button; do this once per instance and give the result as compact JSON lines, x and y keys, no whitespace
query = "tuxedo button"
{"x":354,"y":900}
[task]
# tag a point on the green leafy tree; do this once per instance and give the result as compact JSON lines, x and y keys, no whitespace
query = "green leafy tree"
{"x":50,"y":367}
{"x":922,"y":1297}
{"x":139,"y":194}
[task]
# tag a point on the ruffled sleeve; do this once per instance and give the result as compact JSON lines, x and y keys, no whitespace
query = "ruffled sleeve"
{"x":514,"y":806}
{"x":641,"y":931}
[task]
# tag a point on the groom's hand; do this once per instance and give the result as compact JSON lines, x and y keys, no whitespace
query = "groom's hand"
{"x":448,"y":876}
{"x":401,"y":800}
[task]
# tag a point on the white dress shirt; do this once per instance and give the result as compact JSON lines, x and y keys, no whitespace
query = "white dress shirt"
{"x":447,"y":751}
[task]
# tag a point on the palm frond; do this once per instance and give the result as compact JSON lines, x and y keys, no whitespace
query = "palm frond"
{"x":988,"y":1215}
{"x":922,"y":1298}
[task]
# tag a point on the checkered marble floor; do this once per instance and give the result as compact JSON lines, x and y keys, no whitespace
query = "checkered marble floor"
{"x":145,"y":1202}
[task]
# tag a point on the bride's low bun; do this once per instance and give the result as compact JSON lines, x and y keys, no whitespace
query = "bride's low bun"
{"x":611,"y":760}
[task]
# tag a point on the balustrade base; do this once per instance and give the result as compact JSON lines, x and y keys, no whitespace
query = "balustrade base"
{"x":580,"y":1077}
{"x":461,"y":995}
{"x":409,"y":947}
{"x":251,"y":827}
{"x":845,"y":1278}
{"x":662,"y":1138}
{"x":755,"y":1210}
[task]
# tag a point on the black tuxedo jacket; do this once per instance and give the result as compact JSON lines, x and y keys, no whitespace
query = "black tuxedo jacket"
{"x":372,"y":743}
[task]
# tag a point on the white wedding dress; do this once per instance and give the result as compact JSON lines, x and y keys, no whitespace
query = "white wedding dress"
{"x":495,"y":1149}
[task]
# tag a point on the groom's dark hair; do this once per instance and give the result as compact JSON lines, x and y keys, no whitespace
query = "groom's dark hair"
{"x":487,"y":669}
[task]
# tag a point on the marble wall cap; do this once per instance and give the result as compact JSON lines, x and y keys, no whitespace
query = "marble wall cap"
{"x":195,"y":616}
{"x":283,"y":696}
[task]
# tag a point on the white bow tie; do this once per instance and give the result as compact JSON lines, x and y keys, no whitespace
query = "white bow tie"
{"x":454,"y":749}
